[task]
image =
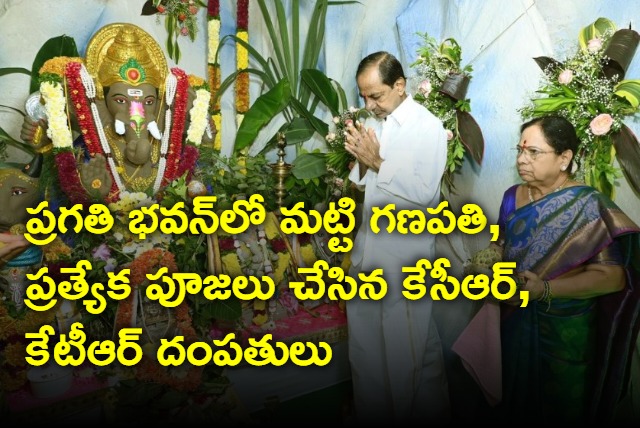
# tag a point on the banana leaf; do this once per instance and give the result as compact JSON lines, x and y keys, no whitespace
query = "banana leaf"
{"x":629,"y":90}
{"x":297,"y":131}
{"x":321,"y":86}
{"x":471,"y":135}
{"x":265,"y":108}
{"x":628,"y":155}
{"x":309,"y":166}
{"x":55,"y":46}
{"x":321,"y":127}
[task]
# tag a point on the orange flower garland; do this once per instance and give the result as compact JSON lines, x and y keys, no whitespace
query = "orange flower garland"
{"x":242,"y":59}
{"x":149,"y":370}
{"x":214,"y":67}
{"x":149,"y":262}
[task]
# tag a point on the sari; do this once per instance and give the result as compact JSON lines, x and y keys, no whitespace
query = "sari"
{"x":569,"y":360}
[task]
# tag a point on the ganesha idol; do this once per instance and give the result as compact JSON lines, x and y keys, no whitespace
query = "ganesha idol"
{"x":136,"y":125}
{"x":18,"y":191}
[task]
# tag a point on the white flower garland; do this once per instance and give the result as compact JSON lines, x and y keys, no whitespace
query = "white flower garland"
{"x":60,"y":133}
{"x":198,"y":115}
{"x":55,"y":103}
{"x":214,"y":39}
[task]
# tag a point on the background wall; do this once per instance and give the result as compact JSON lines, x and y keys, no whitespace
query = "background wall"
{"x":498,"y":37}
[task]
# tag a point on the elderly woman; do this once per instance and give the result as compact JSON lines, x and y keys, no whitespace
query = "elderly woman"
{"x":565,"y":356}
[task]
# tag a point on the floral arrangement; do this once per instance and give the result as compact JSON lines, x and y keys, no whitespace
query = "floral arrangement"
{"x":339,"y":162}
{"x":180,"y":20}
{"x":588,"y":89}
{"x":442,"y":90}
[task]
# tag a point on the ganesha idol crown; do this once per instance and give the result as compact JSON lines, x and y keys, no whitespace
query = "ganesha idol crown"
{"x":125,"y":53}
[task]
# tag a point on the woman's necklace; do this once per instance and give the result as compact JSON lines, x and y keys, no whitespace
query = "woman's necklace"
{"x":545,"y":194}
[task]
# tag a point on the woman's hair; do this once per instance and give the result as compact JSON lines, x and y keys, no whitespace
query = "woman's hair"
{"x":388,"y":65}
{"x":558,"y":132}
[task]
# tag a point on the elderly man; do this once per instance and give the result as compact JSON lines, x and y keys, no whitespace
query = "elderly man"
{"x":394,"y":348}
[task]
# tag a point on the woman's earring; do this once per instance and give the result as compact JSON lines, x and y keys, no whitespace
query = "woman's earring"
{"x":563,"y":167}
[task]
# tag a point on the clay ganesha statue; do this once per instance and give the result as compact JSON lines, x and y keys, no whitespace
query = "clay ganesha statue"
{"x":18,"y":191}
{"x":138,"y":124}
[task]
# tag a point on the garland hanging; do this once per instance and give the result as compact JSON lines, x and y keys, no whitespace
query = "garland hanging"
{"x":81,"y":93}
{"x":213,"y":15}
{"x":242,"y":59}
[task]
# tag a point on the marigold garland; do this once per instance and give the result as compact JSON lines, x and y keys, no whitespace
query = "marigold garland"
{"x":149,"y":262}
{"x":214,"y":68}
{"x":242,"y":59}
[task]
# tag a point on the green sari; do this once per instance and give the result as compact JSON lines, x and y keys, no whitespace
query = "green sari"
{"x":568,"y":362}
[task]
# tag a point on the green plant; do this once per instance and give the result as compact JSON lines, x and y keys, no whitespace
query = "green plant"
{"x":294,"y":87}
{"x":442,"y":90}
{"x":588,"y":89}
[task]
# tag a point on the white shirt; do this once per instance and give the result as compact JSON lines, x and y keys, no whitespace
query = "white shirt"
{"x":413,"y":146}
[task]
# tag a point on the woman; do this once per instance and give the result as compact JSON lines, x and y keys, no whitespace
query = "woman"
{"x":566,"y":356}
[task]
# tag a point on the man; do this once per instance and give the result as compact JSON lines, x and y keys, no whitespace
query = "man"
{"x":394,"y":348}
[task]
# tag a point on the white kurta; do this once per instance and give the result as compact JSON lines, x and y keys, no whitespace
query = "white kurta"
{"x":394,"y":349}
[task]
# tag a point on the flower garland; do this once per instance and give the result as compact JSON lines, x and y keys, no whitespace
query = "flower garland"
{"x":73,"y":73}
{"x":80,"y":90}
{"x":242,"y":60}
{"x":442,"y":90}
{"x":213,"y":14}
{"x":149,"y":370}
{"x":588,"y":89}
{"x":198,"y":117}
{"x":149,"y":262}
{"x":178,"y":122}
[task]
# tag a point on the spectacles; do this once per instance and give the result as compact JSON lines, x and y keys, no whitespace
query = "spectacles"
{"x":530,"y":153}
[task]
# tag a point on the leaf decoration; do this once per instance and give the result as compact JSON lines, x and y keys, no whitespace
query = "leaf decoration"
{"x":321,"y":86}
{"x":309,"y":165}
{"x":261,"y":112}
{"x":629,"y":90}
{"x":471,"y":135}
{"x":11,"y":70}
{"x":544,"y":62}
{"x":628,"y":153}
{"x":455,"y":85}
{"x":595,"y":29}
{"x":620,"y":51}
{"x":55,"y":46}
{"x":298,"y":130}
{"x":148,"y":8}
